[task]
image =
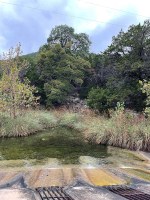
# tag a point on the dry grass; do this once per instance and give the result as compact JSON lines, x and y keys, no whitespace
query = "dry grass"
{"x":124,"y":129}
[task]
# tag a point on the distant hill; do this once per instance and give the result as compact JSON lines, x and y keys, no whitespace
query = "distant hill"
{"x":30,"y":55}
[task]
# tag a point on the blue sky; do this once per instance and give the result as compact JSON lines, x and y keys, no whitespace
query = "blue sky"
{"x":30,"y":22}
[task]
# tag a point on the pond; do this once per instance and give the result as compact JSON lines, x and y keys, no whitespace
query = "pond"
{"x":61,"y":146}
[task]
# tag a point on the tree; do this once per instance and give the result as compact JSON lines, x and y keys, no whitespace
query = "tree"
{"x":127,"y":61}
{"x":33,"y":76}
{"x":65,"y":36}
{"x":15,"y":95}
{"x":131,"y":50}
{"x":134,"y":43}
{"x":62,"y":74}
{"x":146,"y":90}
{"x":101,"y":99}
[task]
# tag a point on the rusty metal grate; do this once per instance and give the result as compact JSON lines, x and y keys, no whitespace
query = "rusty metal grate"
{"x":52,"y":193}
{"x":128,"y":193}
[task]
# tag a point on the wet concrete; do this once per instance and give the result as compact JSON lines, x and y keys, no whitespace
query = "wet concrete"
{"x":63,"y":177}
{"x":18,"y":189}
{"x":91,"y":193}
{"x":80,"y":182}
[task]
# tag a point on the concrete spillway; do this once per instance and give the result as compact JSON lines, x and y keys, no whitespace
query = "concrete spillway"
{"x":16,"y":189}
{"x":63,"y":177}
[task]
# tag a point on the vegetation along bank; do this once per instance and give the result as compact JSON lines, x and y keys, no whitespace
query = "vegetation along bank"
{"x":123,"y":129}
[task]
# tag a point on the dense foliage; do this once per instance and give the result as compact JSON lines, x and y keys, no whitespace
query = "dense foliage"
{"x":61,"y":73}
{"x":123,"y":65}
{"x":64,"y":35}
{"x":146,"y":90}
{"x":64,"y":67}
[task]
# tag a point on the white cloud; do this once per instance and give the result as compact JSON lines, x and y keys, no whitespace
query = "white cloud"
{"x":90,"y":11}
{"x":37,"y":23}
{"x":104,"y":12}
{"x":7,"y":10}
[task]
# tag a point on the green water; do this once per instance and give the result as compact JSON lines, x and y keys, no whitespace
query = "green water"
{"x":64,"y":144}
{"x":61,"y":146}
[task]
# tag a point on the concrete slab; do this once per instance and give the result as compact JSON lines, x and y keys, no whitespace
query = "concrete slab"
{"x":100,"y":177}
{"x":90,"y":193}
{"x":16,"y":194}
{"x":65,"y":176}
{"x":142,"y":187}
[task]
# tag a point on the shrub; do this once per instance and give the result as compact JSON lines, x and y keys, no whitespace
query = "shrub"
{"x":101,"y":99}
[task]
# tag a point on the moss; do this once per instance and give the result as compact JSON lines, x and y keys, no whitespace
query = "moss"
{"x":139,"y":173}
{"x":62,"y":143}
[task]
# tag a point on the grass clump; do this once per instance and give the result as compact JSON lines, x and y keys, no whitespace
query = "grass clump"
{"x":70,"y":119}
{"x":29,"y":123}
{"x":125,"y":129}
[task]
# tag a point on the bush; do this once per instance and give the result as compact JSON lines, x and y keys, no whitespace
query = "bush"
{"x":101,"y":99}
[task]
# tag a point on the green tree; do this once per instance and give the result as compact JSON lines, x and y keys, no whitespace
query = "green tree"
{"x":61,"y":73}
{"x":33,"y":75}
{"x":65,"y":36}
{"x":123,"y":64}
{"x":146,"y":90}
{"x":15,"y":95}
{"x":133,"y":44}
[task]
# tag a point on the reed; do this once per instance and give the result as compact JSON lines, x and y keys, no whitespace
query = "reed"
{"x":123,"y":129}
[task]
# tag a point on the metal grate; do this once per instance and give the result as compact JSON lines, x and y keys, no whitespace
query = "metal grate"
{"x":52,"y":193}
{"x":128,"y":193}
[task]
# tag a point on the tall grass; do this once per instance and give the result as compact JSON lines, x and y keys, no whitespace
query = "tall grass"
{"x":29,"y":123}
{"x":124,"y":129}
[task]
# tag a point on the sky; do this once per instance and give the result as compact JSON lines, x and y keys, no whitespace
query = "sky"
{"x":30,"y":22}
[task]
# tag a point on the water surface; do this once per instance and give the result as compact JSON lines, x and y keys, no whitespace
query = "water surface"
{"x":61,"y":146}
